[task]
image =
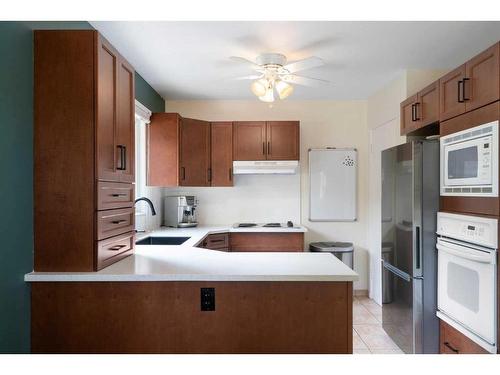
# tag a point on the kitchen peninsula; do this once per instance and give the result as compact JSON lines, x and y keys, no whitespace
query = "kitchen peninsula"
{"x":185,"y":299}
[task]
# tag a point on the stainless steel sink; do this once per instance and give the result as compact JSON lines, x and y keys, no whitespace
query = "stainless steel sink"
{"x":162,"y":240}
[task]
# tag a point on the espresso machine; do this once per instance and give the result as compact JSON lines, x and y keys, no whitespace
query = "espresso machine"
{"x":180,"y":211}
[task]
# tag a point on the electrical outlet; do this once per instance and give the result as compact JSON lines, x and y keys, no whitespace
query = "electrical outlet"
{"x":207,"y":299}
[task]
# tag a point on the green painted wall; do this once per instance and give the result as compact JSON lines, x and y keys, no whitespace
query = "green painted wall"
{"x":16,"y":171}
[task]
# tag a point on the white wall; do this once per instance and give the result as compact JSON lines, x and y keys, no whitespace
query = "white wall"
{"x":322,"y":123}
{"x":383,"y":118}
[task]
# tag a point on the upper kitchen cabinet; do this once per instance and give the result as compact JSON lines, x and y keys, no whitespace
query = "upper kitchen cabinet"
{"x":115,"y":115}
{"x":178,"y":151}
{"x":222,"y":153}
{"x":194,"y":153}
{"x":472,"y":85}
{"x":282,"y":140}
{"x":273,"y":140}
{"x":408,"y":120}
{"x":83,"y":152}
{"x":249,"y":140}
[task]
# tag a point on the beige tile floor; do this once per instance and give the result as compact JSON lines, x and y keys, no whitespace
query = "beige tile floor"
{"x":368,"y":334}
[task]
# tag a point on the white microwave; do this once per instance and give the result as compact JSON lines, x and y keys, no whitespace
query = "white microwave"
{"x":469,"y":162}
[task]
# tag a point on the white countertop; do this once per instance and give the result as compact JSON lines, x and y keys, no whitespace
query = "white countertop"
{"x":187,"y":263}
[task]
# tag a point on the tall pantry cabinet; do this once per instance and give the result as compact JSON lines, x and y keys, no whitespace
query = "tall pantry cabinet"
{"x":83,"y":152}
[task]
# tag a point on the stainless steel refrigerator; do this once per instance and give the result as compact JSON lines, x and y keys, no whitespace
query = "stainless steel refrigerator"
{"x":410,"y":201}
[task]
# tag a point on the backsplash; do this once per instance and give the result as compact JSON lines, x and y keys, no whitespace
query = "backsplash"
{"x":253,"y":198}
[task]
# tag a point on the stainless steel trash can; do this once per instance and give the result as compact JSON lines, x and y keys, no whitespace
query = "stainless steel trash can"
{"x":387,"y":248}
{"x":342,"y":250}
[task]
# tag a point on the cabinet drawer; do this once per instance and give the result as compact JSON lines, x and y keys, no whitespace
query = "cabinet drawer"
{"x":452,"y":341}
{"x":114,"y":222}
{"x":114,"y":249}
{"x":217,"y":241}
{"x":112,"y":195}
{"x":264,"y":241}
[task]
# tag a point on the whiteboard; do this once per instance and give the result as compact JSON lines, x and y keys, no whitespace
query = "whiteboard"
{"x":332,"y":184}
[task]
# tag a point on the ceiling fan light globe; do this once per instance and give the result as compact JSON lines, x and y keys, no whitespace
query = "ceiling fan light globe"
{"x":283,"y":89}
{"x":268,"y":97}
{"x":259,"y":87}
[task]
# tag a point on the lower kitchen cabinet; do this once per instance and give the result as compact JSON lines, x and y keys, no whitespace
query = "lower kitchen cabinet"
{"x":452,"y":341}
{"x":219,"y":241}
{"x":267,"y":242}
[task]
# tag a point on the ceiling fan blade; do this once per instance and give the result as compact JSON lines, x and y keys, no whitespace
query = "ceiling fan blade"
{"x":253,"y":76}
{"x":304,"y":81}
{"x":309,"y":63}
{"x":247,"y":62}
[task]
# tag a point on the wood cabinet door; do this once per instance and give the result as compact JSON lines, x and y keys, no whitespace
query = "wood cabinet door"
{"x":195,"y":153}
{"x":107,"y":77}
{"x":408,"y":122}
{"x":125,"y":121}
{"x":482,"y":83}
{"x":221,"y":153}
{"x":452,"y":341}
{"x":451,"y":103}
{"x":249,"y":140}
{"x":282,"y":140}
{"x":427,"y":106}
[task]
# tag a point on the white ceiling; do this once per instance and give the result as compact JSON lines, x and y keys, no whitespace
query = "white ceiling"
{"x":190,"y":60}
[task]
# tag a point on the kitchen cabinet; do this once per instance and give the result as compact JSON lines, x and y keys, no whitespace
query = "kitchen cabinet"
{"x":452,"y":341}
{"x":282,"y":140}
{"x":272,"y":140}
{"x":83,"y":150}
{"x":249,"y":140}
{"x":194,"y":153}
{"x":472,"y":85}
{"x":420,"y":110}
{"x":221,"y":153}
{"x":178,"y":151}
{"x":265,"y":241}
{"x":219,"y":241}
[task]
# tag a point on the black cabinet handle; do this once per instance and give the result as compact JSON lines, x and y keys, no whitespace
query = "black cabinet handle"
{"x":119,"y":195}
{"x":447,"y":344}
{"x":417,"y":117}
{"x":124,"y":158}
{"x":269,"y":147}
{"x":230,"y":174}
{"x":209,"y":172}
{"x":413,"y":112}
{"x":263,"y":148}
{"x":459,"y":90}
{"x":118,"y":221}
{"x":120,"y":164}
{"x":117,"y":247}
{"x":464,"y":81}
{"x":183,"y":170}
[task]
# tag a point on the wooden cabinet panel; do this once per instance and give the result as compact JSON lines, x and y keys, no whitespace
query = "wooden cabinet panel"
{"x":408,"y":121}
{"x":451,"y":103}
{"x":222,"y":153}
{"x":452,"y":341}
{"x":249,"y":140}
{"x":165,"y":317}
{"x":427,"y":106}
{"x":282,"y":140}
{"x":111,"y":195}
{"x":107,"y":83}
{"x":219,"y":241}
{"x":125,"y":121}
{"x":114,"y":222}
{"x":114,"y":249}
{"x":195,"y":153}
{"x":162,"y":138}
{"x":482,"y":82}
{"x":262,"y":241}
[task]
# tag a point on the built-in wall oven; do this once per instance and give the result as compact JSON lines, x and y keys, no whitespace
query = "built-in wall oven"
{"x":469,"y":162}
{"x":467,"y":276}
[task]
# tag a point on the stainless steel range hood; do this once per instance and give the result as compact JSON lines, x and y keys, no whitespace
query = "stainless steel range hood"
{"x":265,"y":167}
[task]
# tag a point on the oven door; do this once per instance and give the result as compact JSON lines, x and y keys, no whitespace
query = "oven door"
{"x":468,"y":163}
{"x":467,"y":286}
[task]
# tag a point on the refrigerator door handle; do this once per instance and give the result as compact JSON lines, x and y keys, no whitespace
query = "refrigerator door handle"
{"x":396,"y":271}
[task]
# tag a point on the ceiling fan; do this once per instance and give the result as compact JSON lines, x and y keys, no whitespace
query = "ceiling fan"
{"x":274,"y":74}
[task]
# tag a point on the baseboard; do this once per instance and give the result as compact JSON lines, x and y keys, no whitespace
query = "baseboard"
{"x":360,"y":293}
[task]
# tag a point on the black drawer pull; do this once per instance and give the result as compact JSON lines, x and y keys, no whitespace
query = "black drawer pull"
{"x":413,"y":112}
{"x":118,"y":221}
{"x":447,"y":344}
{"x":119,"y":194}
{"x":417,"y":117}
{"x":459,"y":91}
{"x":464,"y":81}
{"x":117,"y":247}
{"x":222,"y":240}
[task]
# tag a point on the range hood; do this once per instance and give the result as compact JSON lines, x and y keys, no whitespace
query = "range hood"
{"x":265,"y":167}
